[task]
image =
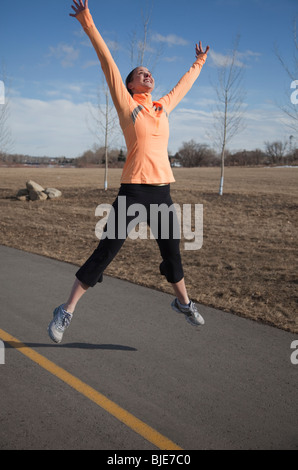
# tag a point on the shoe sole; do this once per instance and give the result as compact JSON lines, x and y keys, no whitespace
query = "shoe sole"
{"x":52,"y":336}
{"x":187,"y":317}
{"x":189,"y":320}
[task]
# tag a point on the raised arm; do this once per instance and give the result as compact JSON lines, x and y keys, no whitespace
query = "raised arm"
{"x":114,"y":80}
{"x":172,"y":99}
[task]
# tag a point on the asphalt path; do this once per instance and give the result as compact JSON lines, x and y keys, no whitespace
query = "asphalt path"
{"x":230,"y":384}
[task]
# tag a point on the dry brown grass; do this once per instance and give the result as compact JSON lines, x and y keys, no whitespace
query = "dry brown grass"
{"x":248,"y":262}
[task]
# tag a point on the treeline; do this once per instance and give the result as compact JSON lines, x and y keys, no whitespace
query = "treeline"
{"x":94,"y":157}
{"x":193,"y":154}
{"x":190,"y":154}
{"x":97,"y":156}
{"x":16,"y":159}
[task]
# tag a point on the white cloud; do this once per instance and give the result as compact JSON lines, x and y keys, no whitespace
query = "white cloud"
{"x":63,"y":90}
{"x":170,"y":59}
{"x":52,"y":128}
{"x":75,"y":88}
{"x":59,"y":127}
{"x":66,"y":54}
{"x":113,"y":46}
{"x":80,"y":33}
{"x":90,"y":63}
{"x":224,"y":60}
{"x":247,"y":54}
{"x":170,"y":39}
{"x":262,"y":124}
{"x":187,"y":124}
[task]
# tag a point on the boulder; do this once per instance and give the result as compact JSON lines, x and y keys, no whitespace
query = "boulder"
{"x":35,"y":192}
{"x":22,"y":195}
{"x":37,"y":195}
{"x":53,"y":192}
{"x":32,"y":186}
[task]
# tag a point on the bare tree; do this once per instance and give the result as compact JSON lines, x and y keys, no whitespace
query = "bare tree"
{"x":290,"y":107}
{"x":276,"y":150}
{"x":6,"y":140}
{"x":140,"y":44}
{"x":229,"y":110}
{"x":105,"y":124}
{"x":192,"y":154}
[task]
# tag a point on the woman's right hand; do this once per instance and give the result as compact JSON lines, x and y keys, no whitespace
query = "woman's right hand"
{"x":78,"y":7}
{"x":199,"y":50}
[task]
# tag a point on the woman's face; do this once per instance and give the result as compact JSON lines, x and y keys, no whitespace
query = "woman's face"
{"x":142,"y":81}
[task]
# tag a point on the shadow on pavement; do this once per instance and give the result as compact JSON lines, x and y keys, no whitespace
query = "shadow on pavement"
{"x":115,"y":347}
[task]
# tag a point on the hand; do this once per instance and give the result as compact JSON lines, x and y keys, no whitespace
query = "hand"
{"x":78,"y":7}
{"x":199,"y":50}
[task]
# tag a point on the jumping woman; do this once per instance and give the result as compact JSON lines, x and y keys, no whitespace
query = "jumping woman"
{"x":146,"y":175}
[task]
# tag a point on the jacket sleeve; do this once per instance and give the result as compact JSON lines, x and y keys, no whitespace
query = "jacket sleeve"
{"x":172,"y":99}
{"x":119,"y":93}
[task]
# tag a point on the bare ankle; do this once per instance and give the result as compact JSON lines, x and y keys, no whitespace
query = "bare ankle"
{"x":69,"y":308}
{"x":184,"y":300}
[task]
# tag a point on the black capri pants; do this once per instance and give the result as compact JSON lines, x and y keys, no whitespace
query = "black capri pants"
{"x":169,"y":244}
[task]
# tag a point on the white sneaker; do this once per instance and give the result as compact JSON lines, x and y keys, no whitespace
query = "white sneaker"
{"x":59,"y":324}
{"x":191,"y":312}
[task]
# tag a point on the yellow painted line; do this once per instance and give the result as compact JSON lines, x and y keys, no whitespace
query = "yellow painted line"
{"x":112,"y":408}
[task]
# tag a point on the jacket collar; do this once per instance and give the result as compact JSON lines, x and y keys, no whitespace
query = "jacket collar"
{"x":145,"y":100}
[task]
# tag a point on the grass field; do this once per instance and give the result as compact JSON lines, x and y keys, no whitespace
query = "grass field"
{"x":248,"y":262}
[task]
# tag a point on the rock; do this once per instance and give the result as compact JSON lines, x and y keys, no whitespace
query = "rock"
{"x":53,"y":192}
{"x":31,"y":185}
{"x":22,"y":195}
{"x":35,"y":192}
{"x":37,"y":195}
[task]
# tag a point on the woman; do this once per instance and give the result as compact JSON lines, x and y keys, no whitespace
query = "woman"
{"x":146,"y":174}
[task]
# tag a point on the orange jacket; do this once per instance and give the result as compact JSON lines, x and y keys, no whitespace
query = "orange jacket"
{"x":144,"y":122}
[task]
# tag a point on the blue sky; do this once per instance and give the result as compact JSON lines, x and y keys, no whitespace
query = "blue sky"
{"x":53,"y":74}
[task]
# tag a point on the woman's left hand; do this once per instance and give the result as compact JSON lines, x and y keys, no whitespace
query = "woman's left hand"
{"x":199,"y":50}
{"x":77,"y":8}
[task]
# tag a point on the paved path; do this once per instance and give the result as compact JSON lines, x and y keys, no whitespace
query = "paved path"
{"x":227,"y":385}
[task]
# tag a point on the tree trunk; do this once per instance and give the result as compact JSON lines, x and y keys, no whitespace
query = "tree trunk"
{"x":222,"y":171}
{"x":223,"y":146}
